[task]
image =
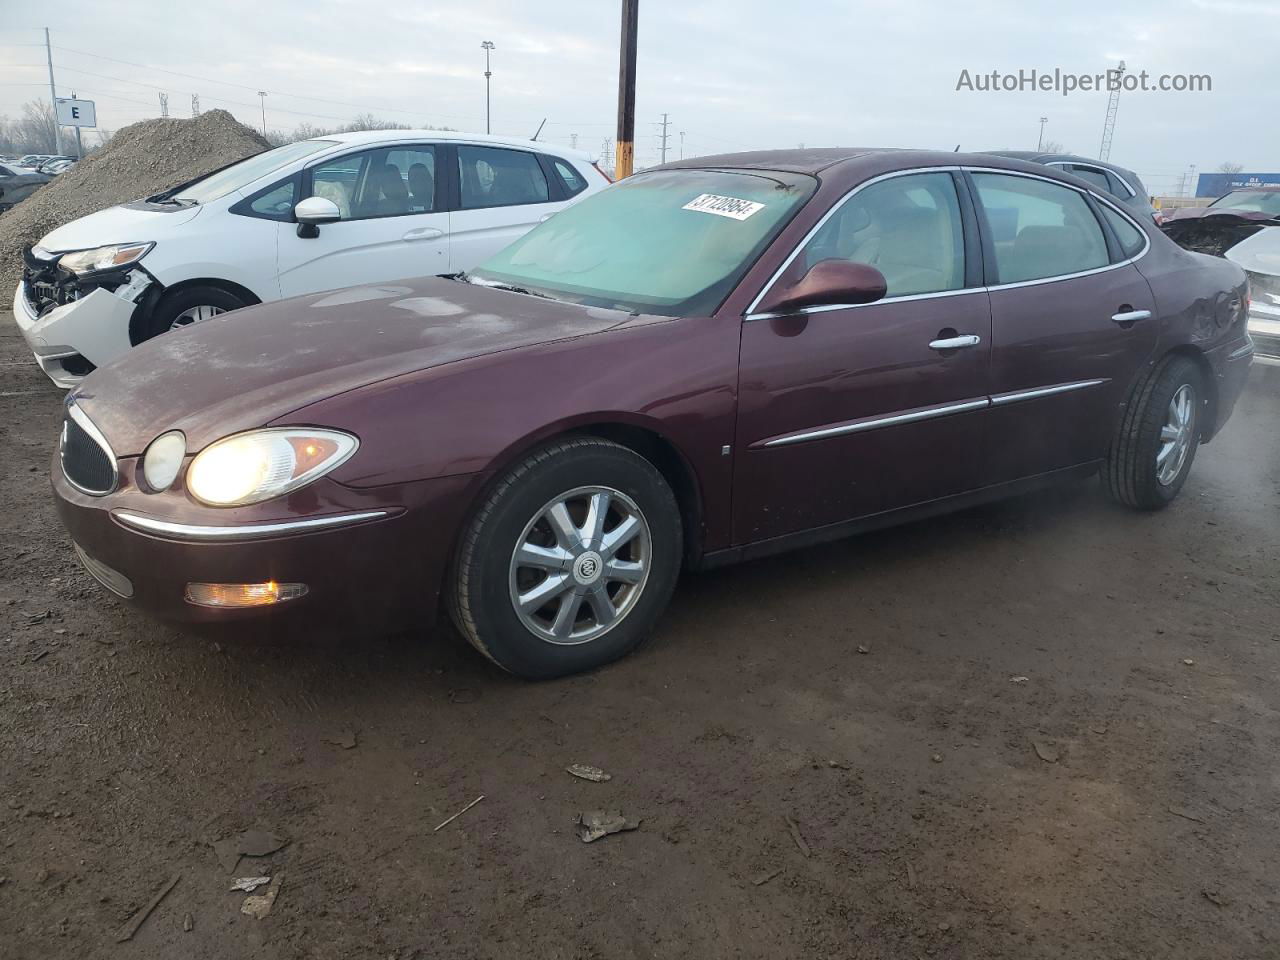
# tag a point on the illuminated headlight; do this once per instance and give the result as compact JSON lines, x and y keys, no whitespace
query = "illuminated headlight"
{"x":261,"y":464}
{"x":163,"y":459}
{"x":104,"y":258}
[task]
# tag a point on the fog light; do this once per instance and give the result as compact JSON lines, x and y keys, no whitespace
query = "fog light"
{"x":243,"y":594}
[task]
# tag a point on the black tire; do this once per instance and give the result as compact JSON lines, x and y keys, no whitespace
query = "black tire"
{"x":174,"y":304}
{"x":480,"y":593}
{"x":1131,"y":472}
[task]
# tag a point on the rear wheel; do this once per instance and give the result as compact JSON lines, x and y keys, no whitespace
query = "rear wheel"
{"x":187,"y":306}
{"x":1158,"y":436}
{"x":570,"y":560}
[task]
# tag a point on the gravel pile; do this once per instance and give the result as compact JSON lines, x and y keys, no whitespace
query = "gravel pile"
{"x":140,"y":160}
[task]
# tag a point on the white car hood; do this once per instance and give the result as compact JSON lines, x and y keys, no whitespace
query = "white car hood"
{"x":124,"y":224}
{"x":1259,"y":253}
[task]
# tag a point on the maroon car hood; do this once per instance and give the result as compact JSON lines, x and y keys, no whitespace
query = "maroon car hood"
{"x":1214,"y":230}
{"x":246,"y":368}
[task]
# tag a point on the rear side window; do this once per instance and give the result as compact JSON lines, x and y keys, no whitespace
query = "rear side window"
{"x":1132,"y":240}
{"x":573,"y":180}
{"x":495,"y":177}
{"x":1095,"y":176}
{"x":1039,"y":229}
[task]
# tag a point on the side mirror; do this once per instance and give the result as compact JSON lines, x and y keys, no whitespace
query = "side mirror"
{"x":312,"y":212}
{"x":828,"y":283}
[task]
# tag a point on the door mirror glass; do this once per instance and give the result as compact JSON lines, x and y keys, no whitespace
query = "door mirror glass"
{"x":317,"y":210}
{"x":827,"y":283}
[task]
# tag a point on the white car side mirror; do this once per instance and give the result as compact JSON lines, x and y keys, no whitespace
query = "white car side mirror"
{"x":316,"y":210}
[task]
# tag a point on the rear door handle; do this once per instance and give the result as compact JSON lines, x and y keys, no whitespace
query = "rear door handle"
{"x":1130,"y":316}
{"x":423,"y":233}
{"x":956,"y":343}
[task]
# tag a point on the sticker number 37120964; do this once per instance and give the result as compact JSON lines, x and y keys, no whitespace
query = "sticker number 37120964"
{"x":731,"y":207}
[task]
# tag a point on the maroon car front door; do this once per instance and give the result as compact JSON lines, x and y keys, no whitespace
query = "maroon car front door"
{"x":846,"y":411}
{"x":1072,"y":322}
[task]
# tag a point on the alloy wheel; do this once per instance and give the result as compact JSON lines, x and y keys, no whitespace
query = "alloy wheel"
{"x":195,"y":315}
{"x":1177,"y":435}
{"x":580,"y":565}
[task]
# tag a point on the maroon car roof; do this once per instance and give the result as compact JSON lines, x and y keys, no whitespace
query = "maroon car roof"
{"x":819,"y":159}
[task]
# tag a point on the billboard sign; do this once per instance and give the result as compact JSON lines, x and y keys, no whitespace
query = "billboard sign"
{"x":1220,"y":184}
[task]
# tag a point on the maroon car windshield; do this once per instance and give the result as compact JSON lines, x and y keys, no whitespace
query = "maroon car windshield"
{"x":1255,"y":201}
{"x":671,"y":242}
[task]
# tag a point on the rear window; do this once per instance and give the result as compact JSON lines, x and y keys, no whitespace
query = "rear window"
{"x":573,"y":180}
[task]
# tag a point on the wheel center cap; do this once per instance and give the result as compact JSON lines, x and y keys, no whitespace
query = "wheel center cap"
{"x":587,"y":568}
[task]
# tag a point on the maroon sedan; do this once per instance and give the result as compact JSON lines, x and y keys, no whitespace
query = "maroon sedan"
{"x":707,"y":362}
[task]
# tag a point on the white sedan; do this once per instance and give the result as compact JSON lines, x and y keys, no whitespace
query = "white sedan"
{"x":336,"y":211}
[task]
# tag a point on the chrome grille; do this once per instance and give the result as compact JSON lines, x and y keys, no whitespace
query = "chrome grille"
{"x":87,"y":460}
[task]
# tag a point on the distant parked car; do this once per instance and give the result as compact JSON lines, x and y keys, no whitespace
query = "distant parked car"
{"x":48,"y":166}
{"x":352,"y":208}
{"x":708,"y":362}
{"x":18,"y":183}
{"x":1124,"y":185}
{"x":33,"y":160}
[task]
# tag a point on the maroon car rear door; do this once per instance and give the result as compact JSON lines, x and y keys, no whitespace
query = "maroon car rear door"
{"x":846,"y":411}
{"x":1072,"y":322}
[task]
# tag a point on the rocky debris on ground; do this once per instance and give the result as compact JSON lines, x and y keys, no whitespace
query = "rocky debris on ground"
{"x":594,"y":824}
{"x":140,"y":160}
{"x":584,"y":771}
{"x":259,"y":906}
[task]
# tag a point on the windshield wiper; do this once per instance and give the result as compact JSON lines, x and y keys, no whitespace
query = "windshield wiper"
{"x":162,"y":201}
{"x":498,"y":285}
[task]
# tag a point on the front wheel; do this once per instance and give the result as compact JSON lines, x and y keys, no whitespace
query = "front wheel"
{"x":569,"y":561}
{"x":184,"y":307}
{"x":1158,"y":436}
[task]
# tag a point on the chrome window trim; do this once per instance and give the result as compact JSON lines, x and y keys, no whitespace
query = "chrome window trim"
{"x":804,"y":311}
{"x":858,"y":426}
{"x":1093,"y":166}
{"x":88,"y":426}
{"x":926,"y":413}
{"x":1000,"y":399}
{"x":244,"y":531}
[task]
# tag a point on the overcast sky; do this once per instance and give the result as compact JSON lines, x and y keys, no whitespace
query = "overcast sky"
{"x":732,"y":74}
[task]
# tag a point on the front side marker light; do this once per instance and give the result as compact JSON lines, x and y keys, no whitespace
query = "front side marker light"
{"x":239,"y":595}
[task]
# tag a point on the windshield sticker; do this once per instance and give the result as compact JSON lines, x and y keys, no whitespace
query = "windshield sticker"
{"x":730,"y":207}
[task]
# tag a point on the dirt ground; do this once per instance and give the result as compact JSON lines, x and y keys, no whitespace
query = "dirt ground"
{"x":1060,"y":741}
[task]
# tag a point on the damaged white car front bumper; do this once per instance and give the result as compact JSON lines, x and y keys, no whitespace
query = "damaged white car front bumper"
{"x":1259,"y":255}
{"x":93,"y":328}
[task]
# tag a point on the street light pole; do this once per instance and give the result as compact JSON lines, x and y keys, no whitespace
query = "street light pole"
{"x":1040,"y":143}
{"x":486,"y":46}
{"x":262,"y":99}
{"x":627,"y":90}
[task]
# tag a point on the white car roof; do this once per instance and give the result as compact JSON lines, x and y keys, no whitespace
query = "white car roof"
{"x":362,"y":137}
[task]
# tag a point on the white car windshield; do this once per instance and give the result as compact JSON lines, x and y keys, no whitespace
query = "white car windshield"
{"x":224,"y":181}
{"x":671,"y":242}
{"x":1254,"y":201}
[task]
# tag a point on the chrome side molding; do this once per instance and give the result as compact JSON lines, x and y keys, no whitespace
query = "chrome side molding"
{"x":241,"y":531}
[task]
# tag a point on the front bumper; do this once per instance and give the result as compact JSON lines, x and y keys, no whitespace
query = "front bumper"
{"x":377,"y":569}
{"x":94,"y":328}
{"x":1264,"y":328}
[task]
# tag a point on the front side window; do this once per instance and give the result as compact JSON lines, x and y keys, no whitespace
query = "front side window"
{"x":385,"y":182}
{"x":1039,"y":229}
{"x":495,"y":177}
{"x":906,"y":227}
{"x":671,"y":242}
{"x":276,"y":203}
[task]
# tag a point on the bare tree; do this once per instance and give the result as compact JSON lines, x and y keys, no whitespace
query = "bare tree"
{"x":1053,"y":146}
{"x":1230,"y":167}
{"x":37,"y":130}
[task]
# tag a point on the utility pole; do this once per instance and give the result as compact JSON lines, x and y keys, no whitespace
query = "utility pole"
{"x":195,"y":105}
{"x":573,"y":140}
{"x":1113,"y":105}
{"x":681,"y":144}
{"x":262,"y":101}
{"x":1040,"y":142}
{"x":665,"y":124}
{"x":164,"y":104}
{"x":486,"y":46}
{"x":53,"y":95}
{"x":627,"y":90}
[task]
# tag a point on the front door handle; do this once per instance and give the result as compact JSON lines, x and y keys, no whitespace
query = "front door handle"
{"x":423,"y":233}
{"x":956,"y":342}
{"x":1126,"y":317}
